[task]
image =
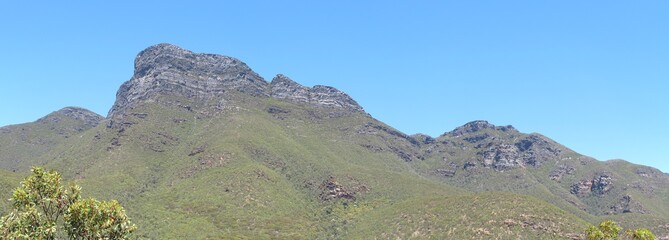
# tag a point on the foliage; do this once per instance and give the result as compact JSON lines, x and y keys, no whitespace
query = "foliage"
{"x":92,"y":219}
{"x":609,"y":230}
{"x":641,"y":234}
{"x":41,"y":201}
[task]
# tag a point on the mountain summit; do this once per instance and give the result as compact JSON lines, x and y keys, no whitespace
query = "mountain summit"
{"x":169,"y":69}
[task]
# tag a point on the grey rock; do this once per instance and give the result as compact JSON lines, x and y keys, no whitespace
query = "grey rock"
{"x":600,"y":185}
{"x":502,"y":157}
{"x":560,"y":171}
{"x":533,"y":151}
{"x":283,"y":87}
{"x":581,"y":188}
{"x":166,"y":68}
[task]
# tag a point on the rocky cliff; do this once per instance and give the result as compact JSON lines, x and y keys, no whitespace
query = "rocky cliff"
{"x":283,"y":87}
{"x":168,"y":69}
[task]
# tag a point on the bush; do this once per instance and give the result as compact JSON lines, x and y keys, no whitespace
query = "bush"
{"x":609,"y":230}
{"x":44,"y":209}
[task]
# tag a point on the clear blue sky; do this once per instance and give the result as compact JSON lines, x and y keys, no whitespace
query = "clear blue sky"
{"x":593,"y":75}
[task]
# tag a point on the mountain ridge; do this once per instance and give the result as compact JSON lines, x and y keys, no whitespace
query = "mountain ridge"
{"x":168,"y":68}
{"x":202,"y":138}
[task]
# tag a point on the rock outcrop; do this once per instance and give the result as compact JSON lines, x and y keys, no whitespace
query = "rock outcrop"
{"x":168,"y":69}
{"x":502,"y":157}
{"x":332,"y":190}
{"x":602,"y":184}
{"x":503,"y":147}
{"x":599,"y":185}
{"x":86,"y":117}
{"x":283,"y":87}
{"x":476,"y":126}
{"x":560,"y":171}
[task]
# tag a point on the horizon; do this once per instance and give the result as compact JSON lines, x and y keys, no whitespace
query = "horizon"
{"x":590,"y":76}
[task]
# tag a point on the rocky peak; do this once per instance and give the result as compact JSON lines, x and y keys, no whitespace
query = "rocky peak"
{"x":476,"y":126}
{"x":169,"y":69}
{"x":166,"y":68}
{"x":85,"y":116}
{"x":283,"y":87}
{"x":165,"y":57}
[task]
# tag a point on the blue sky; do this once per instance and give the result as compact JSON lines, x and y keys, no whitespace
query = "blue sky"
{"x":593,"y":75}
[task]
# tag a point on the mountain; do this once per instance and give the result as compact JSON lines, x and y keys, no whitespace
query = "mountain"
{"x":200,"y":146}
{"x":22,"y":144}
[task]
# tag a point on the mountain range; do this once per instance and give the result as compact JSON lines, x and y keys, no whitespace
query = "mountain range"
{"x":199,"y":146}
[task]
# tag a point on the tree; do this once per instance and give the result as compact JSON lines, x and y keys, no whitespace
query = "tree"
{"x":44,"y":209}
{"x":609,"y":230}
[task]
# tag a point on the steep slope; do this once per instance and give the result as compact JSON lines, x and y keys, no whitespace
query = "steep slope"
{"x":21,"y":144}
{"x":253,"y":171}
{"x":482,"y":157}
{"x":199,"y":146}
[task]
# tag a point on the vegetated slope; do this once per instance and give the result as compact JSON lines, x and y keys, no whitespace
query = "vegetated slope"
{"x":200,"y":146}
{"x":8,"y":182}
{"x":482,"y":157}
{"x":493,"y":215}
{"x":252,"y":171}
{"x":21,"y":144}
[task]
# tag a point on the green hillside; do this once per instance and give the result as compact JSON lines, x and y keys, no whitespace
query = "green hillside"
{"x":200,"y":147}
{"x":22,"y":144}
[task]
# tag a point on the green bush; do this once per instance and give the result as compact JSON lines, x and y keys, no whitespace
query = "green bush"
{"x":609,"y":230}
{"x":44,"y":209}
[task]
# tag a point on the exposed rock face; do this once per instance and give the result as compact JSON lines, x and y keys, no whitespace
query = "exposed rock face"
{"x":500,"y":155}
{"x":602,"y":184}
{"x":599,"y":185}
{"x":331,"y":190}
{"x":166,"y":68}
{"x":581,"y":188}
{"x":88,"y":118}
{"x":498,"y":147}
{"x":283,"y":87}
